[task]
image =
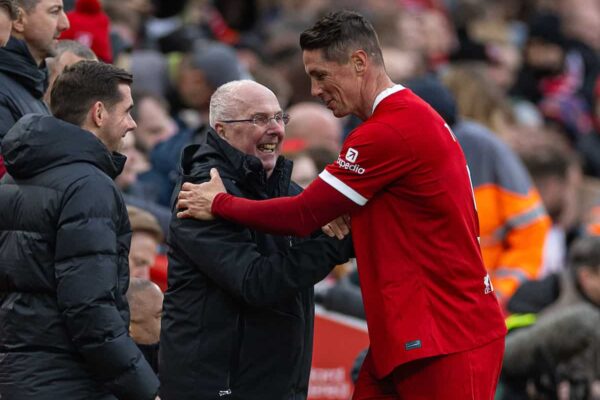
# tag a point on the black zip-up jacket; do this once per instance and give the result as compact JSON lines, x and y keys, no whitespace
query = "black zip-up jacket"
{"x":238,"y":313}
{"x":22,"y":85}
{"x":64,"y":242}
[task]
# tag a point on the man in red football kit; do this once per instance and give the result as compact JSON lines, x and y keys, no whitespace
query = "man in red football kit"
{"x":435,"y":327}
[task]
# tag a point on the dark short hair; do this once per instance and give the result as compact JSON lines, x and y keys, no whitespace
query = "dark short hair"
{"x":585,"y":252}
{"x":11,"y":7}
{"x":84,"y":83}
{"x":339,"y":33}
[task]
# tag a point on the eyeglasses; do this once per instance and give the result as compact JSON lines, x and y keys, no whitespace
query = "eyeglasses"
{"x":263,"y":120}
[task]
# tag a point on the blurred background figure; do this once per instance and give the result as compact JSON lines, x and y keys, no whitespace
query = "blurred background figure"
{"x":539,"y":363}
{"x":8,"y":13}
{"x":315,"y":125}
{"x":155,"y":125}
{"x":68,"y":52}
{"x":90,"y":26}
{"x":145,"y":307}
{"x":145,"y":240}
{"x":557,"y":175}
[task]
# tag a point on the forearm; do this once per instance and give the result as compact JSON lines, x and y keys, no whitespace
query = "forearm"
{"x":298,"y":216}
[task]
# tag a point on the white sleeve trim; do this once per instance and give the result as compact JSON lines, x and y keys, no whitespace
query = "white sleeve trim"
{"x":343,"y":188}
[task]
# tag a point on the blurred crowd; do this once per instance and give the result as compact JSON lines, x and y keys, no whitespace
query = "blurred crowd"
{"x":517,"y":82}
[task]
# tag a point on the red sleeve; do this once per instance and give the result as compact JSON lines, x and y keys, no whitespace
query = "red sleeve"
{"x":297,"y":216}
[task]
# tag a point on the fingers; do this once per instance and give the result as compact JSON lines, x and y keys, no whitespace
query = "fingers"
{"x":327,"y":230}
{"x":338,"y":230}
{"x":182,"y":203}
{"x":339,"y":227}
{"x":346,"y":218}
{"x":335,"y":229}
{"x":184,"y":214}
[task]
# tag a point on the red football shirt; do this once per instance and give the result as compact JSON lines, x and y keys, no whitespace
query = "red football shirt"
{"x":425,"y":289}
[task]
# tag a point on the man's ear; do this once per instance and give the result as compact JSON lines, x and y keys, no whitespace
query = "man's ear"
{"x":98,"y":114}
{"x":18,"y":25}
{"x":359,"y":61}
{"x":220,"y":129}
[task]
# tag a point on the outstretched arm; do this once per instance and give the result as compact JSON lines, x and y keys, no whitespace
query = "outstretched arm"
{"x":298,"y":215}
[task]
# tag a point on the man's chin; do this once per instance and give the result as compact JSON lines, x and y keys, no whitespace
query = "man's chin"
{"x":268,"y":162}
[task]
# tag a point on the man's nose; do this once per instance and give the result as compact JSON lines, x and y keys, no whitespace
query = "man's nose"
{"x":315,"y":89}
{"x":63,"y":22}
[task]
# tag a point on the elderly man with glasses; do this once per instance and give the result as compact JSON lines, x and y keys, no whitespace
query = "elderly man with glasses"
{"x":238,"y":312}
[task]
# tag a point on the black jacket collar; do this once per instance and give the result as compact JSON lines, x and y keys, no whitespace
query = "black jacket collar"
{"x":17,"y":62}
{"x":38,"y":142}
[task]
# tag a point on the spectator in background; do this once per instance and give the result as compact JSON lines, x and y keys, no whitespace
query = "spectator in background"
{"x":8,"y":13}
{"x":549,"y":166}
{"x":556,"y":349}
{"x":145,"y":239}
{"x":479,"y":99}
{"x":201,"y":71}
{"x":305,"y":170}
{"x":238,"y":312}
{"x":151,"y":71}
{"x":553,"y":77}
{"x":314,"y":124}
{"x":22,"y":71}
{"x":154,"y":124}
{"x":145,"y":308}
{"x":90,"y":26}
{"x":160,"y":140}
{"x":137,"y":193}
{"x":64,"y":241}
{"x":68,"y":52}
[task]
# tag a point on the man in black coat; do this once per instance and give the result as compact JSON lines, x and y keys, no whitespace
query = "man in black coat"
{"x":238,"y":312}
{"x":64,"y":241}
{"x":23,"y":74}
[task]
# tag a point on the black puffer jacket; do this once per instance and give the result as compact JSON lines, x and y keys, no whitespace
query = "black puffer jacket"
{"x":22,"y":85}
{"x":64,"y":241}
{"x":238,"y":313}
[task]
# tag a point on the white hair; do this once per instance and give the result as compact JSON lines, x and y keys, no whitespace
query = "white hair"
{"x":224,"y":101}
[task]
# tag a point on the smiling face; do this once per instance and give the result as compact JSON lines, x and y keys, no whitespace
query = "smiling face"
{"x":262,"y":142}
{"x":335,"y":84}
{"x":118,"y":120}
{"x":41,"y":26}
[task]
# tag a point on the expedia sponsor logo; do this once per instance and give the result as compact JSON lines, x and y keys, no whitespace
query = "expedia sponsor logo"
{"x":349,"y":166}
{"x":351,"y":155}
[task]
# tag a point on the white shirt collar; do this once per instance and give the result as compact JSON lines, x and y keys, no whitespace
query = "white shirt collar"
{"x":384,"y":94}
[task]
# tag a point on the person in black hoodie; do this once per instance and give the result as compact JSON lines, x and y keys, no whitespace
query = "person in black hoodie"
{"x":23,"y":74}
{"x":238,"y":312}
{"x":64,"y":241}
